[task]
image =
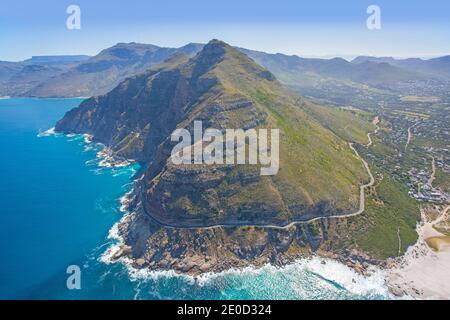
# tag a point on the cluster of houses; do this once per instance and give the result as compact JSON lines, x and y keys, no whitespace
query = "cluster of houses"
{"x":421,"y":189}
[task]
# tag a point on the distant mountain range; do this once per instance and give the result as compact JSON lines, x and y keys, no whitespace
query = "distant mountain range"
{"x":18,"y":78}
{"x":296,"y":69}
{"x":336,"y":80}
{"x":439,"y":67}
{"x":73,"y":76}
{"x":339,"y":81}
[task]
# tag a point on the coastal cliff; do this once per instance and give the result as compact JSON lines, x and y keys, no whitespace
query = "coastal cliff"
{"x":199,"y":218}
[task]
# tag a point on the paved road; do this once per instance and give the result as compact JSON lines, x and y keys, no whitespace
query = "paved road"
{"x":375,"y":122}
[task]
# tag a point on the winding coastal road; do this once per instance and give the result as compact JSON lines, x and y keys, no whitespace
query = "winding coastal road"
{"x":375,"y":122}
{"x":295,"y":222}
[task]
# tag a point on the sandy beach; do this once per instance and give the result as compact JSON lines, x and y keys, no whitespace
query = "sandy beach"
{"x":423,"y":273}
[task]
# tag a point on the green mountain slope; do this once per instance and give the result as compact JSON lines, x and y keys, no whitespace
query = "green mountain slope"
{"x":174,"y":206}
{"x":348,"y":123}
{"x":319,"y":174}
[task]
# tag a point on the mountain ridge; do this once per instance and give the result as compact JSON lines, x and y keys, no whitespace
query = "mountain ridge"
{"x":225,"y":89}
{"x":101,"y":73}
{"x":439,"y":66}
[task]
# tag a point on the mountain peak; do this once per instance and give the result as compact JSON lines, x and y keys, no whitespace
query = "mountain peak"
{"x":213,"y":51}
{"x":229,"y":60}
{"x":217,"y":43}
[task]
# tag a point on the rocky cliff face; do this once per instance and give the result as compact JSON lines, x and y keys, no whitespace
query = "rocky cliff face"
{"x":175,"y":206}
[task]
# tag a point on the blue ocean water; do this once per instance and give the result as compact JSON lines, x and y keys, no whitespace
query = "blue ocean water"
{"x":58,"y":206}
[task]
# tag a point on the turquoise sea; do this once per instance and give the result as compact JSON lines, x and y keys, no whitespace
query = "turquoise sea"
{"x":58,"y":207}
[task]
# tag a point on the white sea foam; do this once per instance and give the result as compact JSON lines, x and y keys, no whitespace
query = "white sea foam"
{"x":125,"y":201}
{"x":116,"y":245}
{"x":135,"y":274}
{"x":107,"y":159}
{"x":91,"y":162}
{"x":348,"y":278}
{"x":113,"y":233}
{"x":87,"y":138}
{"x":110,"y":162}
{"x":89,"y":147}
{"x":104,"y":157}
{"x":107,"y":256}
{"x":114,"y":236}
{"x":329,"y":273}
{"x":75,"y":137}
{"x":47,"y":133}
{"x":330,"y":270}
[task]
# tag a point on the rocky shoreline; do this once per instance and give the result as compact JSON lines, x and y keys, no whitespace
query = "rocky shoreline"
{"x":147,"y":245}
{"x":196,"y":262}
{"x":405,"y":275}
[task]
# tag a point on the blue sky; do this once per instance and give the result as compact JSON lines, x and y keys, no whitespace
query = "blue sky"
{"x":306,"y":28}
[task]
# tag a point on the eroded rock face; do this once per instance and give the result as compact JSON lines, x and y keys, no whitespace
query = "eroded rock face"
{"x":195,"y":251}
{"x":190,"y":217}
{"x":136,"y":116}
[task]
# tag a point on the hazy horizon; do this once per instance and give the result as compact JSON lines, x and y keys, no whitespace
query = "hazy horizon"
{"x":320,"y":29}
{"x":347,"y":57}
